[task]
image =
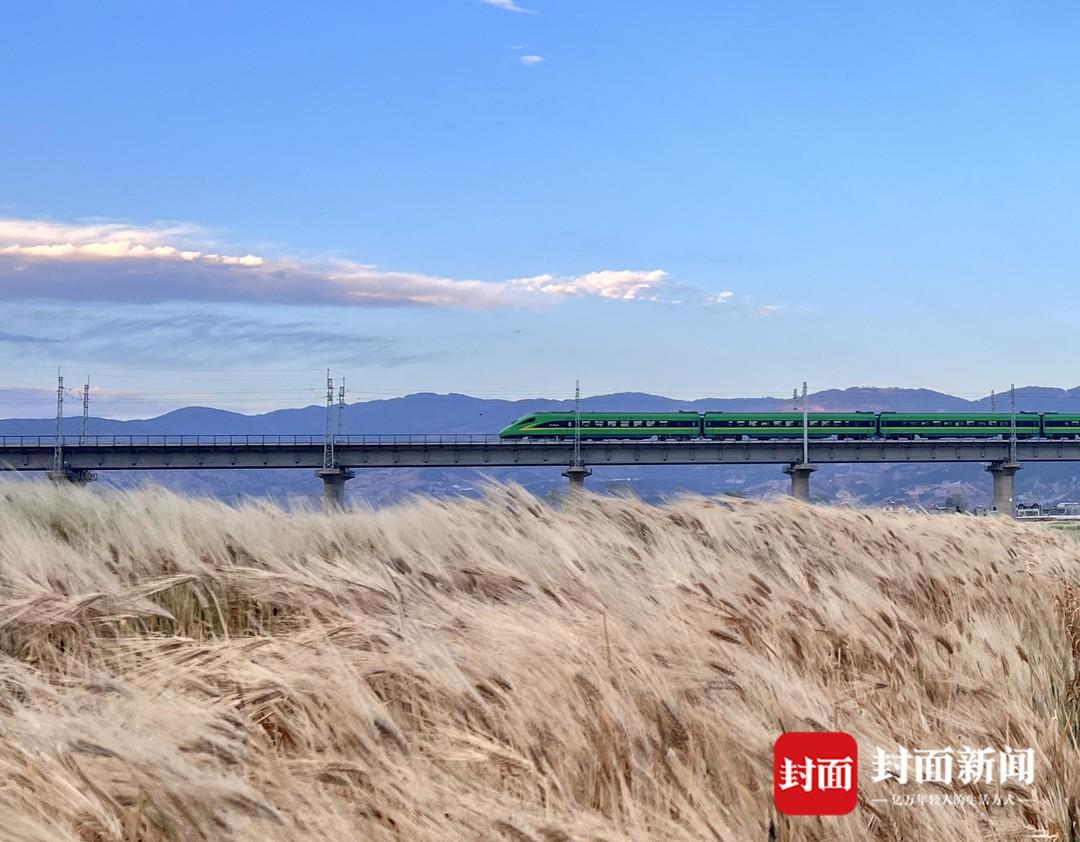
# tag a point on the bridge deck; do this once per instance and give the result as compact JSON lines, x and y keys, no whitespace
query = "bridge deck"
{"x":105,"y":453}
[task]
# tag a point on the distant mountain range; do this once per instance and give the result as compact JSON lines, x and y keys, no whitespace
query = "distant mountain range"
{"x":426,"y":412}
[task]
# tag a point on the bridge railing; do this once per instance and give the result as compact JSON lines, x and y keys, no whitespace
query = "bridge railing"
{"x":178,"y":441}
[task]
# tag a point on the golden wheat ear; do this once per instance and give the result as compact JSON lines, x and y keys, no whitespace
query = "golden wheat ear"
{"x":503,"y":669}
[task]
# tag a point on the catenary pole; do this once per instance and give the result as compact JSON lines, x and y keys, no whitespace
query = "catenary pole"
{"x":1012,"y":410}
{"x":58,"y":448}
{"x":328,"y":438}
{"x":577,"y":423}
{"x":85,"y":410}
{"x":805,"y":427}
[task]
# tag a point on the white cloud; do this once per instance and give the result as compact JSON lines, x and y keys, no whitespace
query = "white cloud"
{"x":529,"y":61}
{"x":34,"y":238}
{"x":39,"y":232}
{"x":145,"y":264}
{"x":109,"y":261}
{"x":507,"y":5}
{"x":624,"y":284}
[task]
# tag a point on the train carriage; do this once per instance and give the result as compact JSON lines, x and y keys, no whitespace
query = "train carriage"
{"x":907,"y":425}
{"x":787,"y":425}
{"x":1060,"y":425}
{"x":606,"y":425}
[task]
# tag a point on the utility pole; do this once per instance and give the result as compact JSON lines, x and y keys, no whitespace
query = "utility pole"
{"x":328,"y":439}
{"x":800,"y":471}
{"x":577,"y":471}
{"x":805,"y":427}
{"x":341,"y":407}
{"x":1012,"y":410}
{"x":993,"y":401}
{"x":577,"y":423}
{"x":85,"y":410}
{"x":58,"y":447}
{"x":333,"y":476}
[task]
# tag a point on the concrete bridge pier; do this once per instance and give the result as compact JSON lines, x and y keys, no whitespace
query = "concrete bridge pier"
{"x":76,"y":476}
{"x":334,"y":480}
{"x":576,"y":474}
{"x":1004,"y":474}
{"x":800,"y":480}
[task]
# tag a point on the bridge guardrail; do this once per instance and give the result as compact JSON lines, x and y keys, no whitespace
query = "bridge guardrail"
{"x":397,"y":439}
{"x":246,"y":441}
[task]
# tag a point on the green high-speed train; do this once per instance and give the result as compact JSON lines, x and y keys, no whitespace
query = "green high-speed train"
{"x":745,"y":426}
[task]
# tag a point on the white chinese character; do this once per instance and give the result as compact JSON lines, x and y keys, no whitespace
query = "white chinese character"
{"x":975,"y":765}
{"x":1019,"y":765}
{"x":933,"y":765}
{"x":802,"y":775}
{"x":834,"y":773}
{"x":891,"y":766}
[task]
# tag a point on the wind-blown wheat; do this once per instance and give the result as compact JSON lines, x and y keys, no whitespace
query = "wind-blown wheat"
{"x":497,"y":669}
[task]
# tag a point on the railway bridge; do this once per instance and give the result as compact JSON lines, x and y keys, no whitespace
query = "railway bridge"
{"x":335,"y":461}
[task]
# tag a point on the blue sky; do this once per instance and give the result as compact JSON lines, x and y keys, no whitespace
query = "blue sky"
{"x":210,"y":203}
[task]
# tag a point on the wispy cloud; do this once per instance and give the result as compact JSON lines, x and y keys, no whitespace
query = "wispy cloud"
{"x":195,"y":337}
{"x":529,"y":61}
{"x":23,"y":339}
{"x":28,"y":402}
{"x":508,"y":6}
{"x":147,"y":264}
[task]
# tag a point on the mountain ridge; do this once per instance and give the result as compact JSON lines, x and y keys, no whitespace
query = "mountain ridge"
{"x":431,"y":412}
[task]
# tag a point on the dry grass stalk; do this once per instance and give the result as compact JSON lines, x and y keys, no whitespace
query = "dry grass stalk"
{"x":175,"y":669}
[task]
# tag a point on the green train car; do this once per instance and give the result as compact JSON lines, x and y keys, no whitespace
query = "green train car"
{"x":606,"y":425}
{"x":747,"y":426}
{"x":789,"y":425}
{"x":948,"y":425}
{"x":1059,"y":425}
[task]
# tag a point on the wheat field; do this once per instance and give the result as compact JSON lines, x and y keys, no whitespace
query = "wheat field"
{"x":499,"y":669}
